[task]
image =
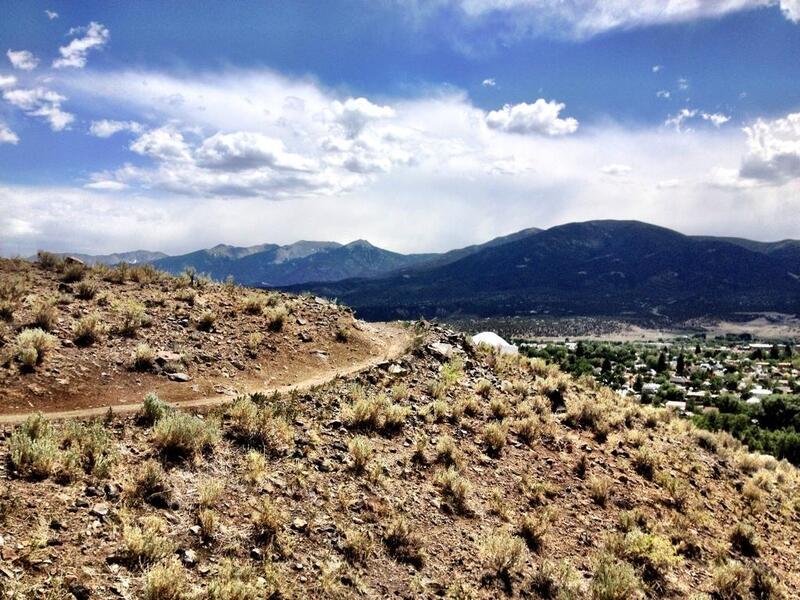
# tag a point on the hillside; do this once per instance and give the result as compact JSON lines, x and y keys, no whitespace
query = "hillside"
{"x":594,"y":268}
{"x":118,"y":331}
{"x":434,"y":469}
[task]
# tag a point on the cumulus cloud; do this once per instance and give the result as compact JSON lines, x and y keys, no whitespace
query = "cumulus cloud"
{"x":773,"y":155}
{"x":247,"y":150}
{"x":657,"y":68}
{"x":541,"y":117}
{"x":663,"y":94}
{"x":716,"y":119}
{"x":586,"y":18}
{"x":95,"y":35}
{"x":22,"y":59}
{"x":51,"y":14}
{"x":355,"y":113}
{"x":679,"y":120}
{"x":165,"y":144}
{"x":7,"y":81}
{"x":106,"y":128}
{"x":489,"y":82}
{"x":6,"y":135}
{"x":41,"y":102}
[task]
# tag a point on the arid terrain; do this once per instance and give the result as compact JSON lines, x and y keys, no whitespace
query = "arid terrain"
{"x":426,"y":468}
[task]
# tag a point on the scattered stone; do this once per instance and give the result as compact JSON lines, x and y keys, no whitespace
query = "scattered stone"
{"x":299,"y":524}
{"x":181,"y":377}
{"x":100,"y":510}
{"x":256,"y":554}
{"x":189,"y":558}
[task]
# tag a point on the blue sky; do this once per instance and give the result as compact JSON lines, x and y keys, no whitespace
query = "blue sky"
{"x":420,"y":125}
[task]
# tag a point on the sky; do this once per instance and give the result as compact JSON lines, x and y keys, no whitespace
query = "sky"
{"x":420,"y":125}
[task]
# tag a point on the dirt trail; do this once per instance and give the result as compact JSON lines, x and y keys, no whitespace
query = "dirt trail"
{"x":392,"y":345}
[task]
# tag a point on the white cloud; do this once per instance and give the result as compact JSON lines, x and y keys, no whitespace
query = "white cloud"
{"x":657,"y":68}
{"x":541,"y":117}
{"x":106,"y":185}
{"x":773,"y":155}
{"x":6,"y":135}
{"x":683,"y":84}
{"x":586,"y":18}
{"x":106,"y":128}
{"x":246,"y":150}
{"x":663,"y":94}
{"x":679,"y":120}
{"x":22,"y":59}
{"x":616,"y":170}
{"x":51,"y":14}
{"x":7,"y":81}
{"x":95,"y":35}
{"x":716,"y":119}
{"x":165,"y":144}
{"x":41,"y":102}
{"x":489,"y":82}
{"x":355,"y":113}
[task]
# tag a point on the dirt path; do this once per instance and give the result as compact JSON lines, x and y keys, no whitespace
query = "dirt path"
{"x":393,"y":345}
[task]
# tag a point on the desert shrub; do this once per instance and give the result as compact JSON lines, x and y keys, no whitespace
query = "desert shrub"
{"x":529,"y":428}
{"x":554,"y":581}
{"x":744,"y":540}
{"x":33,"y":451}
{"x":31,"y":346}
{"x":645,"y":462}
{"x":207,"y":521}
{"x":537,"y":493}
{"x":238,"y":581}
{"x":360,"y":452}
{"x":92,"y":445}
{"x":447,"y":453}
{"x":276,"y":317}
{"x":494,"y":436}
{"x":395,"y":417}
{"x":342,"y":334}
{"x":87,"y":330}
{"x":653,"y":554}
{"x":254,"y":343}
{"x":153,"y":408}
{"x":45,"y":314}
{"x":143,"y":274}
{"x":150,"y":478}
{"x":678,"y":491}
{"x":483,"y":387}
{"x":48,"y":260}
{"x":146,"y":542}
{"x":403,"y":542}
{"x":613,"y":579}
{"x":598,"y":490}
{"x":633,"y":519}
{"x":12,"y":289}
{"x":72,"y":272}
{"x":180,"y":434}
{"x":501,"y":552}
{"x":455,"y":489}
{"x":206,"y":320}
{"x":254,"y":304}
{"x":268,"y":521}
{"x":765,"y":585}
{"x":356,"y":545}
{"x":133,"y":317}
{"x":731,"y":581}
{"x":187,"y":295}
{"x":165,"y":581}
{"x":255,"y":466}
{"x":437,"y":411}
{"x":706,"y":439}
{"x":499,"y":408}
{"x":260,"y":426}
{"x":209,"y":492}
{"x":143,"y":358}
{"x":533,"y":527}
{"x":118,"y":273}
{"x":399,"y":392}
{"x":366,"y":412}
{"x":468,"y":406}
{"x":86,"y":290}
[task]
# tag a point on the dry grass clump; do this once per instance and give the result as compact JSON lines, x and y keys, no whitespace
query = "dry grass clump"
{"x":501,"y":552}
{"x":33,"y":451}
{"x":529,"y":428}
{"x":455,"y":489}
{"x":133,"y":317}
{"x":207,"y":521}
{"x":499,"y":408}
{"x":537,"y":493}
{"x":374,"y":413}
{"x":731,"y":581}
{"x":653,"y":555}
{"x":276,"y":318}
{"x":554,"y":581}
{"x":178,"y":434}
{"x":483,"y":387}
{"x":254,"y":304}
{"x":494,"y":437}
{"x":447,"y":453}
{"x":645,"y":462}
{"x":599,"y":488}
{"x":209,"y":492}
{"x":255,"y":466}
{"x":143,"y":358}
{"x":678,"y":491}
{"x":147,"y":542}
{"x":356,"y":545}
{"x":206,"y":320}
{"x":87,"y":330}
{"x":149,"y":479}
{"x":31,"y":346}
{"x":254,"y":343}
{"x":187,"y":295}
{"x":744,"y":540}
{"x":706,"y":439}
{"x":72,"y":272}
{"x":240,"y":581}
{"x":45,"y":314}
{"x":12,"y":289}
{"x":165,"y":581}
{"x":360,"y":452}
{"x":49,"y":260}
{"x":403,"y":542}
{"x":268,"y":521}
{"x":86,"y":289}
{"x":260,"y":426}
{"x":342,"y":334}
{"x":533,"y":527}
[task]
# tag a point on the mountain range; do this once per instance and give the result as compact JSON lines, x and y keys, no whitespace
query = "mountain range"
{"x":610,"y":268}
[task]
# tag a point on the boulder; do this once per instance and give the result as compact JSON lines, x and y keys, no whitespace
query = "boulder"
{"x":490,"y":338}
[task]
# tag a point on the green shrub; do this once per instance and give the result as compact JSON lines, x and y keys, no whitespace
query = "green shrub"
{"x":613,"y":579}
{"x":153,"y":408}
{"x":133,"y":317}
{"x":180,"y":434}
{"x":32,"y":345}
{"x":87,"y":330}
{"x":501,"y":552}
{"x":33,"y":451}
{"x":73,"y":272}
